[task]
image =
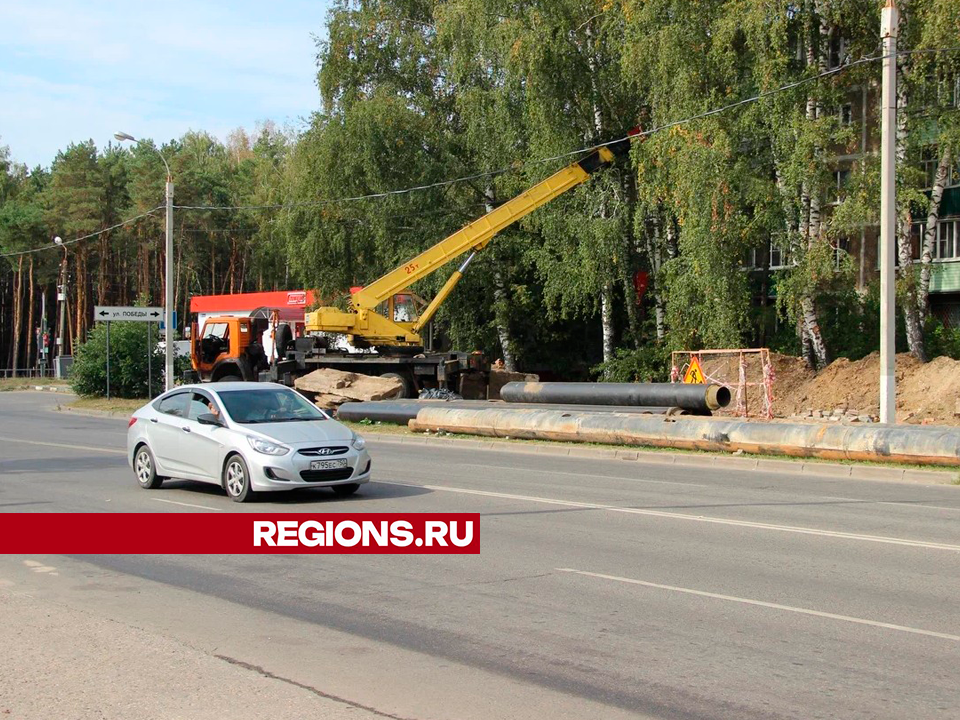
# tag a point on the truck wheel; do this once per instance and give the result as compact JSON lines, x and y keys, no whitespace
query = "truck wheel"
{"x":407,"y":390}
{"x":230,"y":378}
{"x":282,"y":339}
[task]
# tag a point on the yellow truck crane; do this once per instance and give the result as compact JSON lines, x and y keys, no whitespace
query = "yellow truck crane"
{"x":383,"y":314}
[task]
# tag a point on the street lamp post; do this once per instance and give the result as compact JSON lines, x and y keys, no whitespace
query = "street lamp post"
{"x":62,"y":299}
{"x":168,"y":282}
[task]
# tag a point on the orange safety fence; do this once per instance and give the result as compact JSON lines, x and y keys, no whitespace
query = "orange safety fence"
{"x":717,"y":369}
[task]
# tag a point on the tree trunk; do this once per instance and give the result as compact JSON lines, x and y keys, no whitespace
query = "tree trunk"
{"x":501,"y":300}
{"x":17,"y":315}
{"x":606,"y":320}
{"x":812,"y":332}
{"x":811,"y":337}
{"x":31,"y":330}
{"x":930,"y":235}
{"x":653,"y":253}
{"x":908,"y":273}
{"x":606,"y":291}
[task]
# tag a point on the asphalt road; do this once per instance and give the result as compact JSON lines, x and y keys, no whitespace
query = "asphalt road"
{"x":604,"y":588}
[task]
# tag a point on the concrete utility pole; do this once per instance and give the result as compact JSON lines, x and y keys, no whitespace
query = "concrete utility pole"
{"x":890,"y":20}
{"x":62,"y":299}
{"x":168,"y":274}
{"x":168,"y":298}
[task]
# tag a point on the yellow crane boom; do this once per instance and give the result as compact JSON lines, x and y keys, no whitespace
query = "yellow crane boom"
{"x":368,"y":327}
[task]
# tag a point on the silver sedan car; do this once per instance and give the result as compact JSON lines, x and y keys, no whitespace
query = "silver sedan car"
{"x":246,"y":437}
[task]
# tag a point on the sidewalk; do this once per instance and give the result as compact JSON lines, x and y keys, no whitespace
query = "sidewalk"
{"x":62,"y":663}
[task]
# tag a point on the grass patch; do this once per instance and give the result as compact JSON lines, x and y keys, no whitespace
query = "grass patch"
{"x":117,"y":405}
{"x":9,"y":384}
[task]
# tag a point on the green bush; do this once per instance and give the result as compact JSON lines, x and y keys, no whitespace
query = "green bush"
{"x":941,"y":340}
{"x":650,"y":363}
{"x":128,"y":362}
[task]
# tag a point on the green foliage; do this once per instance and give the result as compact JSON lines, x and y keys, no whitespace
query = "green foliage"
{"x":414,"y":93}
{"x":128,"y":362}
{"x":649,"y":363}
{"x":942,"y":340}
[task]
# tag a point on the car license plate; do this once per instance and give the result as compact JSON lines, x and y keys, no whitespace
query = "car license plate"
{"x":328,"y":464}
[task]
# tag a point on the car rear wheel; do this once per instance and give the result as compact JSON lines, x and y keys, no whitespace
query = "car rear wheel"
{"x":145,"y":468}
{"x":345,"y":490}
{"x":236,"y":480}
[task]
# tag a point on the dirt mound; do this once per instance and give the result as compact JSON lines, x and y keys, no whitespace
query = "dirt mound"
{"x":928,"y":391}
{"x":331,"y":388}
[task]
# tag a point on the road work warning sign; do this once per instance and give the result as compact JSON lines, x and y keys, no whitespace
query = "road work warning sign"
{"x":694,"y":373}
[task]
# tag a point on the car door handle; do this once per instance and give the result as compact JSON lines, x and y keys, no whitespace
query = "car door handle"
{"x":185,"y":428}
{"x":154,"y":421}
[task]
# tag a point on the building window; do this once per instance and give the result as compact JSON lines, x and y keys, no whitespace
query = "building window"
{"x":838,"y":51}
{"x":840,"y":250}
{"x":840,"y":180}
{"x":753,"y":258}
{"x":929,"y":160}
{"x":846,"y":114}
{"x":946,"y":246}
{"x":777,"y":257}
{"x":917,"y":231}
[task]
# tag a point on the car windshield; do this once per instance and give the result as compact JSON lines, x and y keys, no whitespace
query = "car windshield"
{"x":268,"y":405}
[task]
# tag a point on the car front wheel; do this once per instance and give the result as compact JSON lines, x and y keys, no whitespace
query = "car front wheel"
{"x":236,"y":480}
{"x":146,"y":469}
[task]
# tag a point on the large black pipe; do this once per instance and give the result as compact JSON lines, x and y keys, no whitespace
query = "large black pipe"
{"x":694,"y":397}
{"x":402,"y":411}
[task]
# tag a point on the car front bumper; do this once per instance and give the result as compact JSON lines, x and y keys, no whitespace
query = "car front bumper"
{"x":287,"y":472}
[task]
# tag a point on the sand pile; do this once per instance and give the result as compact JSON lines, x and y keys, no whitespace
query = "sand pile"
{"x":928,"y":391}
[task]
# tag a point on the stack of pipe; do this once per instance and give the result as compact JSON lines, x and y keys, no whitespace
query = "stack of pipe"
{"x":402,"y":411}
{"x":695,"y":398}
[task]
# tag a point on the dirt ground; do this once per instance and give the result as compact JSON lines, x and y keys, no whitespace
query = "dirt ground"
{"x":925,"y":392}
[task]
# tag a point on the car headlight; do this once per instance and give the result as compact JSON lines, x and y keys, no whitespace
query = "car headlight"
{"x":266,"y":447}
{"x":359,"y":443}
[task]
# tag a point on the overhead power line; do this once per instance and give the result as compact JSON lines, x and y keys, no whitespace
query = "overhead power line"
{"x":572,"y":153}
{"x":75,"y":240}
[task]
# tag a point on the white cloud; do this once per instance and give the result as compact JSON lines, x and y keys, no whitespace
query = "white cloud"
{"x":73,"y":71}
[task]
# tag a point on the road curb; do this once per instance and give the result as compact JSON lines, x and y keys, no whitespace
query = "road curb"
{"x":712,"y":460}
{"x":706,"y":460}
{"x":94,"y":413}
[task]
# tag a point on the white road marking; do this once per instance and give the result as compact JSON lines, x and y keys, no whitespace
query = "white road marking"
{"x":772,"y":606}
{"x":39,"y":567}
{"x":112,"y":451}
{"x":695,"y":518}
{"x":587,"y":474}
{"x":174,"y":502}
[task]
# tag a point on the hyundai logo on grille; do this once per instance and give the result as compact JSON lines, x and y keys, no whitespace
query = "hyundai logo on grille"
{"x":324,"y":451}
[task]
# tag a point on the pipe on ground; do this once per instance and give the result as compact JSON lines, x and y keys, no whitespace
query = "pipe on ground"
{"x":925,"y":445}
{"x":402,"y":411}
{"x":694,"y":397}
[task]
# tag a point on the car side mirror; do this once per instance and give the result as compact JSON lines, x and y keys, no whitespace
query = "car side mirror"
{"x":209,"y":419}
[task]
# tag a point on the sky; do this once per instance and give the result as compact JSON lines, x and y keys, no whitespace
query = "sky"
{"x":71,"y":71}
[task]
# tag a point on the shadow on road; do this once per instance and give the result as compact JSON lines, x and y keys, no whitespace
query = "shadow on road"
{"x":311,"y":495}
